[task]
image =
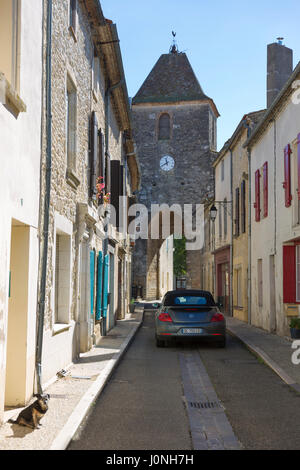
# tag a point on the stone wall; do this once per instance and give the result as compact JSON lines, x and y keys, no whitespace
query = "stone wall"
{"x":192,"y":143}
{"x":72,"y":60}
{"x":190,"y":146}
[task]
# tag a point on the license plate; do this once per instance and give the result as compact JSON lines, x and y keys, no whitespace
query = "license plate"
{"x":191,"y":331}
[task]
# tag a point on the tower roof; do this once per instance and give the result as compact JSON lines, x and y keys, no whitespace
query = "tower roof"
{"x":172,"y":79}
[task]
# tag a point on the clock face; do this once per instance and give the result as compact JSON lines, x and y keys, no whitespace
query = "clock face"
{"x":167,"y":163}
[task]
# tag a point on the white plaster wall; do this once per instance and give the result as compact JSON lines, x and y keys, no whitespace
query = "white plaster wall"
{"x":20,"y":142}
{"x":279,"y":227}
{"x":288,"y":128}
{"x":263,"y":232}
{"x":57,"y":353}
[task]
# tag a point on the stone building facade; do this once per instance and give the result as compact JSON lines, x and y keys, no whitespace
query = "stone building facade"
{"x":87,"y":135}
{"x":175,"y":126}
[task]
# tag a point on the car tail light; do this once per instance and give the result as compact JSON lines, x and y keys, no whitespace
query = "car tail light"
{"x":217,"y":317}
{"x":164,"y":317}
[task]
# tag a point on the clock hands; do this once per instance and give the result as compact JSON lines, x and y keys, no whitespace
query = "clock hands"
{"x":166,"y":163}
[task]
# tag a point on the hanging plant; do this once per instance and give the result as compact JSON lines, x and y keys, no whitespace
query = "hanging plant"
{"x":101,"y":195}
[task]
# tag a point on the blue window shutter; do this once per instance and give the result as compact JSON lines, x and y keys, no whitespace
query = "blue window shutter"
{"x":92,"y":279}
{"x":105,"y":285}
{"x":99,"y":286}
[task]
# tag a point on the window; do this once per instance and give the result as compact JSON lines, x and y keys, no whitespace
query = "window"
{"x":96,"y":75}
{"x":201,"y":298}
{"x":208,"y":234}
{"x":71,"y":124}
{"x":9,"y":40}
{"x":220,"y":221}
{"x":222,"y":170}
{"x":62,"y":278}
{"x":287,"y":176}
{"x":237,"y":212}
{"x":73,"y":15}
{"x":97,"y":156}
{"x":265,"y":188}
{"x":117,"y":191}
{"x":260,"y":282}
{"x":164,"y":127}
{"x":100,"y":160}
{"x":243,"y":206}
{"x":291,"y":274}
{"x":257,"y":196}
{"x":225,"y":217}
{"x":239,"y":288}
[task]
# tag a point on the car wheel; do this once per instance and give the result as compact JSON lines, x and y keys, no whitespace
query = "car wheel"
{"x":222,"y":343}
{"x":160,"y":343}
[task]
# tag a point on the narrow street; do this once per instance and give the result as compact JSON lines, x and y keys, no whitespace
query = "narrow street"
{"x":168,"y":398}
{"x":141,"y":407}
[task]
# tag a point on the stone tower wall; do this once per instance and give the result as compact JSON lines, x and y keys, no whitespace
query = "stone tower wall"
{"x":192,"y":144}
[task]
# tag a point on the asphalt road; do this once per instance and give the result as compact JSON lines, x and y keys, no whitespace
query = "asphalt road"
{"x":142,"y":406}
{"x":263,"y":411}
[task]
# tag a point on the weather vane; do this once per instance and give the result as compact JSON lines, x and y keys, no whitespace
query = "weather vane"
{"x":174,"y":48}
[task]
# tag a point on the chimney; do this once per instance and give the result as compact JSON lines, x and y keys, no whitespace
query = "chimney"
{"x":280,"y":68}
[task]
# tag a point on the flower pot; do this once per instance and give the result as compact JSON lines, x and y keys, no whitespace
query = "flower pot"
{"x":295,"y":333}
{"x":131,"y":308}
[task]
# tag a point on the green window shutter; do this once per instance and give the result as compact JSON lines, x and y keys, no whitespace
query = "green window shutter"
{"x":105,"y":285}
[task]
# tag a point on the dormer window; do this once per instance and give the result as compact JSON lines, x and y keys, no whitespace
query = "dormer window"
{"x":164,"y":127}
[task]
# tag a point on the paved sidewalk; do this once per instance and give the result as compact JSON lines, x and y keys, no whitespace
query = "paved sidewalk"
{"x":72,"y":396}
{"x":274,"y":350}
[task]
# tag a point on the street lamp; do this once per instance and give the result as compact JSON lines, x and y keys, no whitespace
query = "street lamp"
{"x":213,"y":213}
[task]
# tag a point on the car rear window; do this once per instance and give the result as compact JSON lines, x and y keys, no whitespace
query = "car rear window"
{"x":189,"y":300}
{"x":195,"y":300}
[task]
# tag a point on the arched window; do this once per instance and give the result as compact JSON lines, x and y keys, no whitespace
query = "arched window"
{"x":164,"y":127}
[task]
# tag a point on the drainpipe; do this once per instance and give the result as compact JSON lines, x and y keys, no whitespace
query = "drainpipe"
{"x":41,"y":312}
{"x":231,"y":244}
{"x":275,"y":177}
{"x":249,"y":237}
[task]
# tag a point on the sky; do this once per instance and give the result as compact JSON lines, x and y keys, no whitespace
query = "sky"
{"x":225,"y":41}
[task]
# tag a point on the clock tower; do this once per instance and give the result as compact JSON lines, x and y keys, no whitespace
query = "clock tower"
{"x":175,"y":130}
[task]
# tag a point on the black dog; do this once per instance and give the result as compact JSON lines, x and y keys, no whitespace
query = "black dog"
{"x":32,"y":415}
